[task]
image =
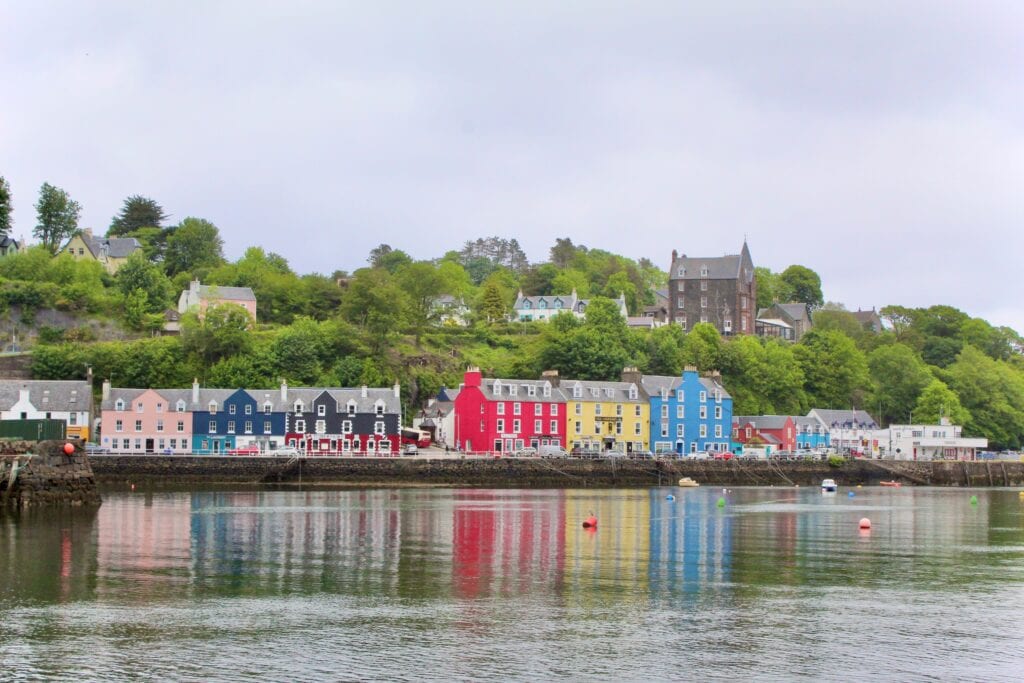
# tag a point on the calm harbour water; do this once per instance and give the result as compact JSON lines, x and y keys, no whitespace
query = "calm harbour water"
{"x":440,"y":584}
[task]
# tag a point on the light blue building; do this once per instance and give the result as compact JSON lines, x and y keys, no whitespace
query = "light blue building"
{"x":689,"y":413}
{"x":811,"y":433}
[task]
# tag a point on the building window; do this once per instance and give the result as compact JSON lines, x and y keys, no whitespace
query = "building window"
{"x":703,"y":285}
{"x":346,"y":427}
{"x":231,"y":409}
{"x":704,"y":271}
{"x":703,"y":302}
{"x":531,"y":390}
{"x":138,"y":407}
{"x":554,"y":426}
{"x":248,"y":426}
{"x":298,"y":407}
{"x":636,"y":429}
{"x":300,"y":426}
{"x":664,"y":429}
{"x":637,"y":411}
{"x":554,"y":409}
{"x":579,"y":408}
{"x":718,"y":412}
{"x":516,"y":426}
{"x":538,"y":409}
{"x":718,"y":431}
{"x":267,"y":408}
{"x":380,"y":410}
{"x":378,"y":427}
{"x":703,"y":412}
{"x":321,"y":410}
{"x":119,"y":404}
{"x":321,"y":426}
{"x":126,"y":444}
{"x":266,"y":427}
{"x":597,"y":409}
{"x":538,"y":426}
{"x":728,"y":325}
{"x":680,"y":286}
{"x":501,"y":426}
{"x":680,"y":304}
{"x":501,"y":408}
{"x":181,"y":425}
{"x":679,"y":431}
{"x":680,"y":412}
{"x":138,"y":425}
{"x":212,"y":407}
{"x":703,"y":397}
{"x":159,"y":425}
{"x":213,"y":427}
{"x":618,"y":409}
{"x":681,"y":272}
{"x":118,"y":426}
{"x":159,"y":407}
{"x":579,"y":427}
{"x":231,"y":426}
{"x":248,"y":409}
{"x":664,"y":411}
{"x":703,"y":431}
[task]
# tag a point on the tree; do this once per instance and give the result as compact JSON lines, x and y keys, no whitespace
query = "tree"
{"x":138,"y":274}
{"x":937,"y":401}
{"x":835,"y":370}
{"x":664,"y":355}
{"x":769,"y":289}
{"x":492,"y":305}
{"x":702,"y":347}
{"x":802,"y":284}
{"x":423,"y":285}
{"x":5,"y":208}
{"x":993,"y":392}
{"x":563,"y":252}
{"x":57,"y":216}
{"x":299,"y":351}
{"x":136,"y":212}
{"x":375,"y":303}
{"x":195,"y":244}
{"x":899,"y":377}
{"x":224,"y":331}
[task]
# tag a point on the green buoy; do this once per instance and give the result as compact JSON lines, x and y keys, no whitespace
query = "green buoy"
{"x":721,"y":502}
{"x":974,"y":500}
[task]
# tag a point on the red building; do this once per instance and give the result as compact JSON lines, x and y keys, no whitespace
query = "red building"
{"x":777,"y":431}
{"x":506,"y":415}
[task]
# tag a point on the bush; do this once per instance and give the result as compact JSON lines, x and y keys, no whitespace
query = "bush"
{"x":836,"y":461}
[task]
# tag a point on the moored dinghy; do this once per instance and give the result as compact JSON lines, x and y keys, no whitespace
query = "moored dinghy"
{"x":686,"y":482}
{"x":829,"y":486}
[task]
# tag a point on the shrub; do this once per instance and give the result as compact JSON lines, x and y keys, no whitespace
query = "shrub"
{"x":836,"y":461}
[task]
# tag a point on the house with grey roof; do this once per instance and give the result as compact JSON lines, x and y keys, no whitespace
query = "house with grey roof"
{"x":68,"y":401}
{"x":198,"y":297}
{"x":719,"y":290}
{"x":545,"y":307}
{"x":111,"y":252}
{"x":794,"y":316}
{"x":850,"y":431}
{"x":9,"y":245}
{"x":869,"y":320}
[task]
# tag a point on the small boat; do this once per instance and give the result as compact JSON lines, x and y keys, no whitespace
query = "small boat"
{"x":828,"y":486}
{"x":893,"y":484}
{"x":686,"y":482}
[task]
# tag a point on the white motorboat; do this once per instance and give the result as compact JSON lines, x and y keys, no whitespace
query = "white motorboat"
{"x":828,"y":486}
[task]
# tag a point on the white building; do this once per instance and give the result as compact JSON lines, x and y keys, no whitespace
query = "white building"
{"x":546,"y":307}
{"x":850,"y":431}
{"x":439,"y":417}
{"x":943,"y":441}
{"x":48,"y":400}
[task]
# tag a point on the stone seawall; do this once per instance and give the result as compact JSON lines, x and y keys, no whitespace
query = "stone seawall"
{"x":543,"y":473}
{"x":48,"y":478}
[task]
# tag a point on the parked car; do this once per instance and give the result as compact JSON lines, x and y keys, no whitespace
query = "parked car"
{"x":410,"y":449}
{"x":700,"y":455}
{"x":286,"y":452}
{"x":95,"y":449}
{"x":251,"y":449}
{"x":553,"y":452}
{"x":721,"y":455}
{"x":526,"y":452}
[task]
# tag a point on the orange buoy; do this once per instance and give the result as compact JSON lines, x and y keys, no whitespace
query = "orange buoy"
{"x":68,"y":449}
{"x":865,"y":523}
{"x":590,"y":522}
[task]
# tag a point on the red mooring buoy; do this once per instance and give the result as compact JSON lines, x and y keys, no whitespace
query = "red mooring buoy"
{"x":590,"y":523}
{"x":68,"y":449}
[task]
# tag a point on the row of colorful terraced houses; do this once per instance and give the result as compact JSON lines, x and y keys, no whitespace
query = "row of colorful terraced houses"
{"x":640,"y":413}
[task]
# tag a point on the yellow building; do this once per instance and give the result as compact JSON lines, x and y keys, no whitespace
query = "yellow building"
{"x":607,"y":416}
{"x":111,"y":252}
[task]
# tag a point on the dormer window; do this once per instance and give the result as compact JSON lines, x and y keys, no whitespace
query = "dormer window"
{"x":577,"y":391}
{"x":531,"y":390}
{"x":298,"y":406}
{"x":633,"y":392}
{"x":351,"y":407}
{"x":543,"y":304}
{"x":609,"y":392}
{"x":267,"y":407}
{"x":180,"y":406}
{"x":379,"y":409}
{"x":513,"y":390}
{"x":497,"y":387}
{"x":212,"y":407}
{"x":664,"y":394}
{"x":704,"y":271}
{"x":138,"y":407}
{"x":595,"y":392}
{"x":527,"y":304}
{"x":681,"y":272}
{"x":119,"y":404}
{"x":547,"y":388}
{"x":558,"y":303}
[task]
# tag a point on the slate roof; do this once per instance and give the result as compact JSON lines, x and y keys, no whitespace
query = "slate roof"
{"x":116,"y":247}
{"x":796,"y":311}
{"x":619,"y":391}
{"x":806,"y":421}
{"x":761,"y":421}
{"x":653,"y":384}
{"x":222,"y":292}
{"x":261,"y":396}
{"x":719,"y":268}
{"x":60,"y":396}
{"x":522,"y":393}
{"x":568,"y":301}
{"x":848,"y":419}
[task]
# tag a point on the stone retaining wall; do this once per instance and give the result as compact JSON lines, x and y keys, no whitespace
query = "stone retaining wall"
{"x":49,"y":478}
{"x":543,"y":473}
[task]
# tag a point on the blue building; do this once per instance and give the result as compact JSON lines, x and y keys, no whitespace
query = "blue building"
{"x":811,"y":433}
{"x":689,"y":413}
{"x":227,"y":419}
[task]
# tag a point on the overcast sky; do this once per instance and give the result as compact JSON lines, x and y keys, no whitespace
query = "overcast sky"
{"x":879,"y":143}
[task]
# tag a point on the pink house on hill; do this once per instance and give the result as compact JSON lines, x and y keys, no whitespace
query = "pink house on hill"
{"x":199,"y":297}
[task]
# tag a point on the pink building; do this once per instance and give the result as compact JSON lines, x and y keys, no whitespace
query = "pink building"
{"x":200,"y":297}
{"x":147,"y":420}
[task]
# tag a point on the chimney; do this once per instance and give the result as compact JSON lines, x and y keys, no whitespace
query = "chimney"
{"x":675,"y":255}
{"x":193,"y":286}
{"x":195,"y":390}
{"x":398,"y":390}
{"x":473,"y":377}
{"x":88,"y":374}
{"x":364,"y":391}
{"x":23,"y":394}
{"x":87,"y":232}
{"x":284,"y":390}
{"x":631,"y":375}
{"x":551,"y":376}
{"x":106,"y":390}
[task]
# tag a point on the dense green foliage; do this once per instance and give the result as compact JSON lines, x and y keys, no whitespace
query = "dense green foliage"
{"x":5,"y":207}
{"x":380,"y":325}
